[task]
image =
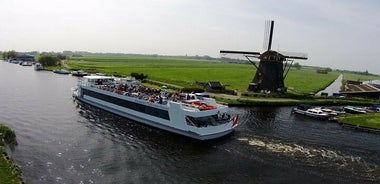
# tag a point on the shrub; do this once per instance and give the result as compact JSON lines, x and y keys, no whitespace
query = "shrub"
{"x":7,"y":135}
{"x":194,"y":89}
{"x":139,"y":76}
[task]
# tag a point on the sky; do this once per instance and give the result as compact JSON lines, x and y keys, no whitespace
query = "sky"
{"x":340,"y":34}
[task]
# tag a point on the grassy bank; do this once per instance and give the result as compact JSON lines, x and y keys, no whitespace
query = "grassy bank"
{"x":9,"y":171}
{"x":274,"y":101}
{"x":184,"y":72}
{"x":371,"y":120}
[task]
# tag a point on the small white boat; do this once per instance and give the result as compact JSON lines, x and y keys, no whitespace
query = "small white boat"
{"x":333,"y":111}
{"x":61,"y":71}
{"x":315,"y":112}
{"x":38,"y":67}
{"x":354,"y":110}
{"x":26,"y":63}
{"x":79,"y":73}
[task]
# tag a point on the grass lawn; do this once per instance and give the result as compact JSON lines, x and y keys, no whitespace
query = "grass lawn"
{"x":371,"y":120}
{"x":185,"y":72}
{"x":357,"y":77}
{"x":9,"y":171}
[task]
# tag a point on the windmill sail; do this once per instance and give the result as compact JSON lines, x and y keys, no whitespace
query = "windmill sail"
{"x":268,"y":35}
{"x":294,"y":55}
{"x":245,"y":53}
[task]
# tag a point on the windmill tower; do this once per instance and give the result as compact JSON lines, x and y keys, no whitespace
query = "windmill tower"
{"x":273,"y":66}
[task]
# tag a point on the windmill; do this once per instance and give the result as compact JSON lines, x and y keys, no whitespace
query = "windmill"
{"x":273,"y":66}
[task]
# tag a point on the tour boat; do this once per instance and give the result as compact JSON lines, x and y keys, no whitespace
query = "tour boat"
{"x":307,"y":110}
{"x":184,"y":114}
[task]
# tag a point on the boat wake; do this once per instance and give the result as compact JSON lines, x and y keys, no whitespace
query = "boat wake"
{"x":319,"y":157}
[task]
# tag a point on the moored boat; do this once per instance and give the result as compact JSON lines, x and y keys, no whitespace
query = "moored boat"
{"x":201,"y":119}
{"x":79,"y":73}
{"x":26,"y":63}
{"x":354,"y":110}
{"x":61,"y":71}
{"x":38,"y":67}
{"x":333,"y":111}
{"x":308,"y":110}
{"x":373,"y":108}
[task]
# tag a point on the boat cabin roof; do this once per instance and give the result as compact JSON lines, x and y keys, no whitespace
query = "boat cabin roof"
{"x":316,"y":111}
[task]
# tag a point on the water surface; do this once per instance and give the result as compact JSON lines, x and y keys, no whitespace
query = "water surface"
{"x":63,"y":141}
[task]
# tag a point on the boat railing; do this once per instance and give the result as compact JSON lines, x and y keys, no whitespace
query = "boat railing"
{"x":156,"y":96}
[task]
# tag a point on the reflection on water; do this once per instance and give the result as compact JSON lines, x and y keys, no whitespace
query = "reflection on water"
{"x":64,"y":141}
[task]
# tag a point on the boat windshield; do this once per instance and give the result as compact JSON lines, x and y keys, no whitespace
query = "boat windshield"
{"x":213,"y":120}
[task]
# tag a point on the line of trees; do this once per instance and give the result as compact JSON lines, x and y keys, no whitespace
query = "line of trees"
{"x":12,"y":54}
{"x":45,"y":58}
{"x":324,"y":70}
{"x":297,"y":66}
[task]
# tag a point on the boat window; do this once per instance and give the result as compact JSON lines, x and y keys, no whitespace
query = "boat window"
{"x":205,"y":121}
{"x":130,"y":105}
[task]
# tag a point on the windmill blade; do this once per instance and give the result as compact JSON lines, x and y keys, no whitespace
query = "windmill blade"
{"x":294,"y":55}
{"x":245,"y":53}
{"x":268,"y":34}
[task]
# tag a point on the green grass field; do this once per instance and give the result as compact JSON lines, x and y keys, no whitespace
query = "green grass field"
{"x":356,"y":77}
{"x":363,"y":120}
{"x":184,"y":72}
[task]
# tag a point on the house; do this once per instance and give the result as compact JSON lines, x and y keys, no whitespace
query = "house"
{"x":361,"y":90}
{"x":25,"y":57}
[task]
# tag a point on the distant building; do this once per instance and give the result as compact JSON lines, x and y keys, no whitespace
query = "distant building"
{"x":360,"y":90}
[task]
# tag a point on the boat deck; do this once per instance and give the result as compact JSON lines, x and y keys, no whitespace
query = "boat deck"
{"x":152,"y":95}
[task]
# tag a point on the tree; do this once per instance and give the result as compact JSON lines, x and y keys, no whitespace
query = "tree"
{"x":5,"y":55}
{"x":61,"y":56}
{"x":9,"y":54}
{"x":47,"y":60}
{"x":297,"y":66}
{"x":12,"y":54}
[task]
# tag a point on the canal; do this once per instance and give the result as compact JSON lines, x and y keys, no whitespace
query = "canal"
{"x":63,"y":141}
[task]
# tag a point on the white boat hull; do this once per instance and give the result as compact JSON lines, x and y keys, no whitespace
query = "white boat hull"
{"x":306,"y":113}
{"x":174,"y":121}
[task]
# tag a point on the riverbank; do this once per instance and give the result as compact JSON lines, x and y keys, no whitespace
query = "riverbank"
{"x":10,"y":172}
{"x":241,"y":101}
{"x":367,"y":122}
